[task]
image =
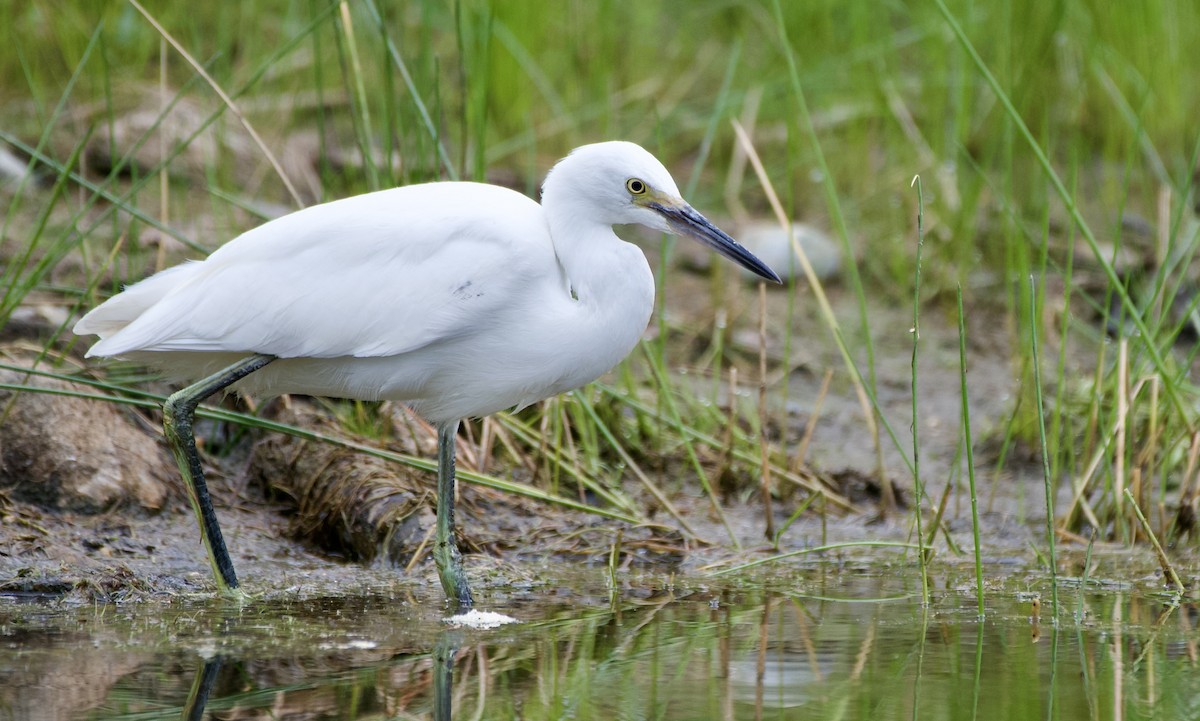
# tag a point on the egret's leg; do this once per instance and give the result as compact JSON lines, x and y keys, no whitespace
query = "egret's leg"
{"x":178,"y":413}
{"x":445,"y":550}
{"x":444,"y":651}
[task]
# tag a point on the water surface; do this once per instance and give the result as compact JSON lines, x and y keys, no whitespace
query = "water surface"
{"x":824,"y":644}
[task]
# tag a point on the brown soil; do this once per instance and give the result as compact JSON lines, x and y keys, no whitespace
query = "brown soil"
{"x":274,"y":495}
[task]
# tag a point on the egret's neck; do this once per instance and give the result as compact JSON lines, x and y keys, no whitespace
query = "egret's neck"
{"x":613,"y":297}
{"x":602,"y":270}
{"x":611,"y":285}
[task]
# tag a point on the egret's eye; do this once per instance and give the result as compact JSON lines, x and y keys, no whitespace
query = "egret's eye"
{"x":635,"y":186}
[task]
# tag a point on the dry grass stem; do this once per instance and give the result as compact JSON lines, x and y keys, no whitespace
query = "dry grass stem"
{"x":229,"y":103}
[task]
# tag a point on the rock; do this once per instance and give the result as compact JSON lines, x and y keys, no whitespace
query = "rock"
{"x":76,"y":454}
{"x":156,"y":129}
{"x":768,"y":241}
{"x":12,"y":169}
{"x":35,"y":321}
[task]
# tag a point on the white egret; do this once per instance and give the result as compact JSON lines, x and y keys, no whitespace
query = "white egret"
{"x":459,"y":299}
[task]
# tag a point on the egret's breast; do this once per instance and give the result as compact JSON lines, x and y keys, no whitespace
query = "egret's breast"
{"x":549,"y":344}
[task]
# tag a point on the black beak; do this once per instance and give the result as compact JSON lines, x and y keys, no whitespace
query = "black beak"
{"x":685,"y":220}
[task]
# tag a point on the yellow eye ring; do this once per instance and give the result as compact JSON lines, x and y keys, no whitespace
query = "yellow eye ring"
{"x":635,"y":186}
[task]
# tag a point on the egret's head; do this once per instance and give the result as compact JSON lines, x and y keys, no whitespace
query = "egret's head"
{"x":619,"y":183}
{"x":614,"y":183}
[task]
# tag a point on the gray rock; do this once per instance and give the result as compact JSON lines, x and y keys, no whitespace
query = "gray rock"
{"x":769,"y":241}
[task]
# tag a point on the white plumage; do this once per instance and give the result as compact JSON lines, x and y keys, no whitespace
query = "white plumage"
{"x":460,"y":299}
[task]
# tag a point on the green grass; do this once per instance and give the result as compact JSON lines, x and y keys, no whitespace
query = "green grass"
{"x":1034,"y":126}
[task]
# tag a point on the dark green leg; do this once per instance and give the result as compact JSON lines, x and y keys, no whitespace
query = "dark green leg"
{"x":444,"y":651}
{"x":202,"y":686}
{"x":178,"y":413}
{"x":445,"y":550}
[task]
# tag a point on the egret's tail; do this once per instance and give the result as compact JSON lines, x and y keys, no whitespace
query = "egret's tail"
{"x":110,"y":317}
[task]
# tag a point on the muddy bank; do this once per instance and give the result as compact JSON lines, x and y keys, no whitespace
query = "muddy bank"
{"x":273,"y":491}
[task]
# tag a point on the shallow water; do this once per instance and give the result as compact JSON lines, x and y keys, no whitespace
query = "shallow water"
{"x":823,"y":644}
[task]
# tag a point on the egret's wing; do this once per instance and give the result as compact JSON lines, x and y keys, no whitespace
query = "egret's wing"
{"x":374,"y":275}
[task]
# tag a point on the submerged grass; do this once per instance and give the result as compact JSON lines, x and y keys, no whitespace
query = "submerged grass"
{"x":1047,"y":481}
{"x":969,"y":446}
{"x":847,"y":647}
{"x":842,"y":103}
{"x":918,"y":482}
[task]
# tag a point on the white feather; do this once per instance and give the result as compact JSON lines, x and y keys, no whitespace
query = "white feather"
{"x":459,"y":298}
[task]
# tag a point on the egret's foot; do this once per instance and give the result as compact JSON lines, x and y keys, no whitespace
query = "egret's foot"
{"x":452,"y":575}
{"x":236,"y":594}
